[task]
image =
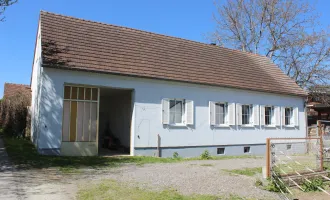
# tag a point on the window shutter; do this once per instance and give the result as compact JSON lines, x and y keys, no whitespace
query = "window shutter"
{"x":239,"y":114}
{"x":296,"y":116}
{"x":283,"y":116}
{"x":212,"y":113}
{"x":231,"y":114}
{"x":256,"y":114}
{"x":165,"y":111}
{"x":277,"y":115}
{"x":262,"y":115}
{"x":189,"y":112}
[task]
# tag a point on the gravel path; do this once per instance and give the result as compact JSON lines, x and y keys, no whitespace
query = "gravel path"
{"x":193,"y":177}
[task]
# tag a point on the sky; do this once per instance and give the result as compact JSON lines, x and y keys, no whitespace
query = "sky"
{"x":180,"y":18}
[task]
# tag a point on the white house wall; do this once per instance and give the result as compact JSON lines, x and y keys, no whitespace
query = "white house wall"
{"x":187,"y":141}
{"x":35,"y":89}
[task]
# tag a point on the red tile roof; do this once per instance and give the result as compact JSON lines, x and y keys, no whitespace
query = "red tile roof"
{"x":77,"y":44}
{"x":11,"y":89}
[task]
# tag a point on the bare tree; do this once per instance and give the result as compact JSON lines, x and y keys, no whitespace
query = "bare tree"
{"x":286,"y":31}
{"x":3,"y":6}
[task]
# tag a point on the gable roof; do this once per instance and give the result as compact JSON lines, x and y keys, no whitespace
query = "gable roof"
{"x":77,"y":44}
{"x":11,"y":89}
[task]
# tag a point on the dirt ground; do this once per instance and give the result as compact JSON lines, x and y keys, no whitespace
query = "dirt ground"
{"x":190,"y":177}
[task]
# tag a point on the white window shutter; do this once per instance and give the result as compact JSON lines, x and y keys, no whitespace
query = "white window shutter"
{"x":239,"y":113}
{"x":212,"y":113}
{"x":283,"y":116}
{"x":262,"y":115}
{"x":231,"y":114}
{"x":189,"y":112}
{"x":165,"y":111}
{"x":277,"y":115}
{"x":256,"y":114}
{"x":296,"y":116}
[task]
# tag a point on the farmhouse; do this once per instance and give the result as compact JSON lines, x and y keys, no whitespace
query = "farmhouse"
{"x":99,"y":88}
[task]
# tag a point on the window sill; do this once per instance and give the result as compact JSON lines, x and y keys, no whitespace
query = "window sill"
{"x":177,"y":125}
{"x":248,"y":125}
{"x":270,"y":126}
{"x":289,"y":126}
{"x":221,"y":126}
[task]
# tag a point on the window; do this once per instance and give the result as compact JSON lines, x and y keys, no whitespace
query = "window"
{"x":246,"y":149}
{"x":288,"y":146}
{"x":220,"y":113}
{"x":246,"y":114}
{"x":80,"y":114}
{"x":288,"y":116}
{"x":177,"y":111}
{"x":269,"y":113}
{"x":221,"y":151}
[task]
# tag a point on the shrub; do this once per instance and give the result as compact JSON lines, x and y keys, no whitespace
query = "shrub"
{"x":258,"y":183}
{"x":313,"y":185}
{"x":13,"y":114}
{"x":176,"y":155}
{"x":206,"y":155}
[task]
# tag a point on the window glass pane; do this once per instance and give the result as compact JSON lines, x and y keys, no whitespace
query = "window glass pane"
{"x":94,"y":94}
{"x":73,"y":121}
{"x":67,"y":90}
{"x":93,"y":122}
{"x":88,"y":94}
{"x":221,"y":118}
{"x":80,"y":121}
{"x":217,"y":118}
{"x":178,"y":105}
{"x":217,"y":108}
{"x":178,"y":118}
{"x":81,"y":93}
{"x":287,"y":116}
{"x":268,"y":115}
{"x":245,"y":114}
{"x":86,"y":122}
{"x":66,"y":121}
{"x":74,"y":93}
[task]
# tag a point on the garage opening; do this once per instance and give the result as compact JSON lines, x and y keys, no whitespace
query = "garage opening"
{"x":115,"y":115}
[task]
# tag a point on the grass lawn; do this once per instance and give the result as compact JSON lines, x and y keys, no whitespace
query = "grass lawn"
{"x":246,"y":171}
{"x":112,"y":190}
{"x":24,"y":155}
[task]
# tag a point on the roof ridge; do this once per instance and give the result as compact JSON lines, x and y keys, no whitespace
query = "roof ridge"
{"x":153,"y":33}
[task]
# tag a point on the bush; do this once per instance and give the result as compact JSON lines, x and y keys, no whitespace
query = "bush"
{"x":14,"y":114}
{"x":176,"y":155}
{"x":206,"y":155}
{"x":313,"y":185}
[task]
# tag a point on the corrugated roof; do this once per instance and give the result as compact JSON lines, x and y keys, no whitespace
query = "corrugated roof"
{"x":78,"y":44}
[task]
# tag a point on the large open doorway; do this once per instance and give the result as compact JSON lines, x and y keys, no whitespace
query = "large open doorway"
{"x":115,"y":115}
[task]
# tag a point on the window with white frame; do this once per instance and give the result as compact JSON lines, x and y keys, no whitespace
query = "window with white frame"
{"x":246,"y":114}
{"x":177,"y":111}
{"x":288,"y":116}
{"x":220,"y":113}
{"x":269,"y":115}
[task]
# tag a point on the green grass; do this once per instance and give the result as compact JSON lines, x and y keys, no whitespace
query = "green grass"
{"x":246,"y":171}
{"x":112,"y":190}
{"x":24,"y":154}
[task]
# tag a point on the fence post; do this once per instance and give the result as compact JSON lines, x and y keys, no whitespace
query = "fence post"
{"x":321,"y":153}
{"x":268,"y":157}
{"x":319,"y":128}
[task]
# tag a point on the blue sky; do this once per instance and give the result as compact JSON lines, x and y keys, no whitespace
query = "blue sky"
{"x":180,"y":18}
